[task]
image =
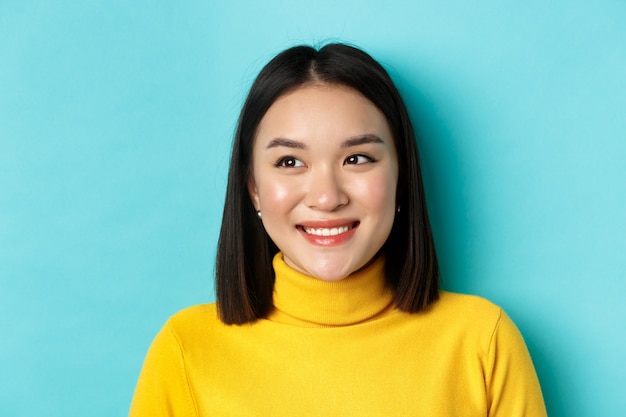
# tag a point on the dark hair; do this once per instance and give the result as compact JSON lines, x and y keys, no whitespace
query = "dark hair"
{"x":244,"y":272}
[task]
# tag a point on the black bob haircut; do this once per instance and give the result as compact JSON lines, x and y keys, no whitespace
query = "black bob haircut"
{"x":244,"y":272}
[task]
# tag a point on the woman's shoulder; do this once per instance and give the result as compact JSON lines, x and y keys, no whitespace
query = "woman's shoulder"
{"x":198,"y":312}
{"x":466,"y":303}
{"x":465,"y":311}
{"x":194,"y":321}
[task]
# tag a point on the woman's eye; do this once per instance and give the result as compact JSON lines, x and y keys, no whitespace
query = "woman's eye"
{"x":289,"y":162}
{"x":357,"y":159}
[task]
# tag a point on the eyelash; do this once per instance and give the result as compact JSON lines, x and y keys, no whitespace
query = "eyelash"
{"x":288,"y":162}
{"x":292,"y":161}
{"x":368,"y":159}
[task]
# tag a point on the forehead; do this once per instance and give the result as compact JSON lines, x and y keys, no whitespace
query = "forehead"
{"x":325,"y":110}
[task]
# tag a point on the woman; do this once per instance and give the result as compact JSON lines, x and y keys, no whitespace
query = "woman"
{"x":328,"y":301}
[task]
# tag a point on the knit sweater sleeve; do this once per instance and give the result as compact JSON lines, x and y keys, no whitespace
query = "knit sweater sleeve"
{"x":163,"y":388}
{"x":512,"y":386}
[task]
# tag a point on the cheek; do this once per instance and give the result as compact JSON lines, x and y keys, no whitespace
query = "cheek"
{"x":377,"y":192}
{"x":275,"y":194}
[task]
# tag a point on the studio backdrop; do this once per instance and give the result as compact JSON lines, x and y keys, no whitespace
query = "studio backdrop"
{"x":116,"y":121}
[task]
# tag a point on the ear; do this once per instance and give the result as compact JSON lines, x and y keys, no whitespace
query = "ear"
{"x":254,"y":194}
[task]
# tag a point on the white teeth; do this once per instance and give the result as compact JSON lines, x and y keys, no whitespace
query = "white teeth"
{"x":326,"y":232}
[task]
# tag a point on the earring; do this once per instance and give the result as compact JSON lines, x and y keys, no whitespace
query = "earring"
{"x":398,"y":209}
{"x":258,"y":213}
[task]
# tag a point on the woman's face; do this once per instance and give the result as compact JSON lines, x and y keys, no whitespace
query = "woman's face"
{"x":324,"y":177}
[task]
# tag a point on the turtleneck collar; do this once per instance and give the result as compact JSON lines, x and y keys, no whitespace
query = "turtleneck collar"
{"x":303,"y":300}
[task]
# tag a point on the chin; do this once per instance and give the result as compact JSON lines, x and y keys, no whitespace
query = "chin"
{"x":332,"y":273}
{"x":330,"y":278}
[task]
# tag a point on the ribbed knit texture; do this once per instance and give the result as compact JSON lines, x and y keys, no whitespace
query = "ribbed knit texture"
{"x":306,"y":301}
{"x":341,"y":349}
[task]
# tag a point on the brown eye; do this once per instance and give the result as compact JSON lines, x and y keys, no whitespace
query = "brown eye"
{"x":357,"y":159}
{"x":289,"y":162}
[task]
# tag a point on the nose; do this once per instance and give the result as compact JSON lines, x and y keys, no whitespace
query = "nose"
{"x":325,"y":190}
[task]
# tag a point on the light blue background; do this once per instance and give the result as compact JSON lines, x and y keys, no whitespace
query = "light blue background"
{"x":115,"y":125}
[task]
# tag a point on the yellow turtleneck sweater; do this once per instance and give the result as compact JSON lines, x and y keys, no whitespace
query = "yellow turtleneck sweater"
{"x":340,"y":349}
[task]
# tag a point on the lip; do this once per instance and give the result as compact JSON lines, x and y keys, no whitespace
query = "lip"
{"x":330,"y":232}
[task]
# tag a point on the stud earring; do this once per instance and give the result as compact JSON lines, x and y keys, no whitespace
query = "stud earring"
{"x":258,"y":213}
{"x":398,"y":209}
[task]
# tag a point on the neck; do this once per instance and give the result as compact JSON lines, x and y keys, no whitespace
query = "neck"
{"x":303,"y":300}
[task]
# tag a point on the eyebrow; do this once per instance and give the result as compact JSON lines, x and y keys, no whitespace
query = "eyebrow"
{"x":287,"y":143}
{"x":361,"y":140}
{"x":348,"y":143}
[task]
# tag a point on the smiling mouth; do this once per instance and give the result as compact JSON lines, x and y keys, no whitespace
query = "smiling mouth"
{"x":328,"y":231}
